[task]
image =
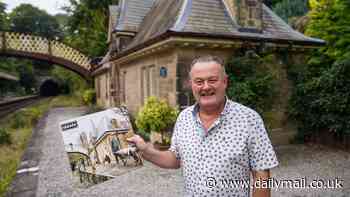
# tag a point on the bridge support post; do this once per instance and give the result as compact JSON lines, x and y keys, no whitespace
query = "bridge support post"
{"x":3,"y":40}
{"x":49,"y":48}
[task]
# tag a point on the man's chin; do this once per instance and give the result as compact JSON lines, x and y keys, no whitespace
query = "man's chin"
{"x":208,"y":102}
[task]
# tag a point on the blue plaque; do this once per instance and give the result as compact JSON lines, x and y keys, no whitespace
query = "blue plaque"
{"x":163,"y":72}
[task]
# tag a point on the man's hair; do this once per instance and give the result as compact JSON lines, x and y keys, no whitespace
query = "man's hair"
{"x":209,"y":58}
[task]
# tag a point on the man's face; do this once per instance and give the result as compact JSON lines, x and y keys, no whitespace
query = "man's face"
{"x":208,"y":84}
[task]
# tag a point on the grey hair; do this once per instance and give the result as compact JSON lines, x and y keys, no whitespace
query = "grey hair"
{"x":209,"y":58}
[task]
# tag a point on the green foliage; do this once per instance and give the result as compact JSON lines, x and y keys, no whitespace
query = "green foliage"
{"x":3,"y":15}
{"x":18,"y":120}
{"x":5,"y":137}
{"x":29,"y":19}
{"x":11,"y":154}
{"x":89,"y":96}
{"x":88,"y":25}
{"x":69,"y":81}
{"x":287,"y":9}
{"x":320,"y":99}
{"x":27,"y":78}
{"x":33,"y":114}
{"x":146,"y":136}
{"x":271,"y":3}
{"x":156,"y":115}
{"x":322,"y":102}
{"x":330,"y":20}
{"x":251,"y":82}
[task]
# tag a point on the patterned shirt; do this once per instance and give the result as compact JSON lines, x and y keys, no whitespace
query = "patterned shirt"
{"x":218,"y":162}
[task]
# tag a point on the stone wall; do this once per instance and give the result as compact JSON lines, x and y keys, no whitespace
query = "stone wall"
{"x":165,"y":86}
{"x":102,"y":90}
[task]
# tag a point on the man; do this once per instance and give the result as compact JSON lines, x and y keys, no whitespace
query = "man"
{"x":217,"y":142}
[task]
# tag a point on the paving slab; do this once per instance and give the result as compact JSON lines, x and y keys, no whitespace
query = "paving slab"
{"x":45,"y":169}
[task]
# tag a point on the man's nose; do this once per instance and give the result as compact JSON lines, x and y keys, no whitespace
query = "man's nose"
{"x":206,"y":85}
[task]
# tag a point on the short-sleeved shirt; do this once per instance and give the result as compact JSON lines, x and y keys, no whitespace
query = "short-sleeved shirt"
{"x":235,"y":144}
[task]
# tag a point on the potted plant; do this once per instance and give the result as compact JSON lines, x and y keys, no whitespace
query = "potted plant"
{"x":156,"y":115}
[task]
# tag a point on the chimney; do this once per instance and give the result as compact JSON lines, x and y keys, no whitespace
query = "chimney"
{"x":248,"y":14}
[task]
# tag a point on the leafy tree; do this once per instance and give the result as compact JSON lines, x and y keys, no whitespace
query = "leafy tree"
{"x":28,"y":19}
{"x":252,"y":82}
{"x":288,"y":9}
{"x":88,"y":25}
{"x":321,"y":98}
{"x":271,"y":3}
{"x":27,"y":78}
{"x":3,"y":15}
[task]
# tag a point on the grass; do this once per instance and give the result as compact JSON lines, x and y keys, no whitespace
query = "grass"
{"x":20,"y":125}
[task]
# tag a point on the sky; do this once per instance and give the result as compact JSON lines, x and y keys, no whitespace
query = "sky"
{"x":50,"y":6}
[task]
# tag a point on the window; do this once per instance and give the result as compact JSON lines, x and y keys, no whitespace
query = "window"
{"x":148,"y":82}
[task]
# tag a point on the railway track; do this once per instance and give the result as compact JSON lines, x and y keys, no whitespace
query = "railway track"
{"x":6,"y":107}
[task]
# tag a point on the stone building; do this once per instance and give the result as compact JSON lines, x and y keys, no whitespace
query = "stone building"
{"x":153,"y":42}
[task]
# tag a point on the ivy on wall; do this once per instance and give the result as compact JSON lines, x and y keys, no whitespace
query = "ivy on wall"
{"x":250,"y":81}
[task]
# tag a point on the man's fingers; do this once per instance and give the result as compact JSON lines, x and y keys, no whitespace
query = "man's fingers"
{"x":133,"y":139}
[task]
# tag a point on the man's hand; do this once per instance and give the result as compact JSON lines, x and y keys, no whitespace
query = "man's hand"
{"x":139,"y":142}
{"x":163,"y":159}
{"x":261,"y":175}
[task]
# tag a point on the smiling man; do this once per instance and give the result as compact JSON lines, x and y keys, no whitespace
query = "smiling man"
{"x":217,"y":142}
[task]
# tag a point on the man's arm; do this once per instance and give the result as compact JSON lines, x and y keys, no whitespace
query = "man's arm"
{"x":261,"y":175}
{"x":163,"y":159}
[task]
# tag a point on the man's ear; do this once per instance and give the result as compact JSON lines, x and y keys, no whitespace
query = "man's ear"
{"x":226,"y":80}
{"x":187,"y":83}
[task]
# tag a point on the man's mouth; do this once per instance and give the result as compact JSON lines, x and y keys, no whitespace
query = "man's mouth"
{"x":207,"y":94}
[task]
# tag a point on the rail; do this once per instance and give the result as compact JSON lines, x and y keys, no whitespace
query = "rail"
{"x":6,"y":107}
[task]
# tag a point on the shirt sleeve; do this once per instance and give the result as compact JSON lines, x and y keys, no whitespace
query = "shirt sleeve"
{"x":174,"y":147}
{"x":261,"y":153}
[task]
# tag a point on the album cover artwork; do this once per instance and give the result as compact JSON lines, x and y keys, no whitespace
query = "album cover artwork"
{"x":97,"y":148}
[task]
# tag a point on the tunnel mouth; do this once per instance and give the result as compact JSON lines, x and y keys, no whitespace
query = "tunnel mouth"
{"x":49,"y":88}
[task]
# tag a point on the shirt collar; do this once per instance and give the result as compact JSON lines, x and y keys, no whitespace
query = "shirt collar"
{"x":195,"y":108}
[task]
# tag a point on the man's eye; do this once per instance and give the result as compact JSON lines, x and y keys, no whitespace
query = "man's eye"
{"x":213,"y":80}
{"x":199,"y":82}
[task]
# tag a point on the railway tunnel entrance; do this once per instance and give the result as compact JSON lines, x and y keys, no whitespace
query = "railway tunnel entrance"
{"x":49,"y":87}
{"x":41,"y":49}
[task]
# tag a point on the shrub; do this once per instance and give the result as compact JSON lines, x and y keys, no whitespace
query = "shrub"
{"x":33,"y":114}
{"x":146,"y":136}
{"x":251,"y":82}
{"x":320,"y":100}
{"x":156,"y":115}
{"x":18,"y":120}
{"x":89,"y":97}
{"x":5,"y":137}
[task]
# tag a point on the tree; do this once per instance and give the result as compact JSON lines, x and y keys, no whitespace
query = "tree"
{"x":3,"y":15}
{"x":320,"y":100}
{"x":288,"y":9}
{"x":28,"y":19}
{"x":27,"y":78}
{"x":88,"y":25}
{"x":271,"y":3}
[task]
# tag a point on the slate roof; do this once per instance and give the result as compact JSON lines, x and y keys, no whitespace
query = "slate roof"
{"x":209,"y":18}
{"x":132,"y":13}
